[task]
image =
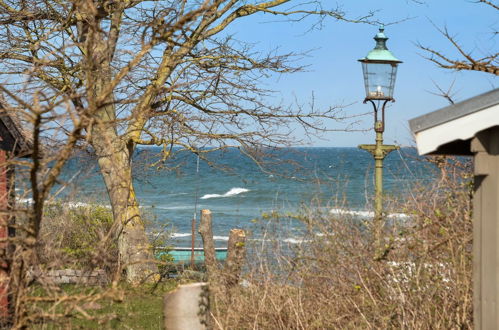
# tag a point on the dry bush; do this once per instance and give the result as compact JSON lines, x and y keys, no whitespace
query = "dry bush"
{"x":335,"y":281}
{"x":78,"y":236}
{"x":70,"y":237}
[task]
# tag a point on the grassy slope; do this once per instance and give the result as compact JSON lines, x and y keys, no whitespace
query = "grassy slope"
{"x":141,"y":308}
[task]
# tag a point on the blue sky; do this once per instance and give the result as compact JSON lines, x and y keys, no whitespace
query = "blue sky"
{"x":334,"y":76}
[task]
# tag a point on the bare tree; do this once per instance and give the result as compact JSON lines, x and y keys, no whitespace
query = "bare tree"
{"x":117,"y":74}
{"x":487,"y":62}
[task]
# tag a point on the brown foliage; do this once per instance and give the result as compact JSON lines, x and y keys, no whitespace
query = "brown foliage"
{"x":333,"y":281}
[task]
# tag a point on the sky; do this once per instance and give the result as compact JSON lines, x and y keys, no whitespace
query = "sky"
{"x":334,"y":76}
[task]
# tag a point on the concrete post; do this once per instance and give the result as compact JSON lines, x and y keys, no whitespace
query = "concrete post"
{"x":187,"y":307}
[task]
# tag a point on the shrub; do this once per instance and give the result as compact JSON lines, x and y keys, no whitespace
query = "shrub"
{"x":335,"y":279}
{"x":78,"y":236}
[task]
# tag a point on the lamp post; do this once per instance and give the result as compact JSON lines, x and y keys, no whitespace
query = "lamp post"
{"x":380,"y":69}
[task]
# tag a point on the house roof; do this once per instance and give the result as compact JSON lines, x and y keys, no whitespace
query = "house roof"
{"x":13,"y":136}
{"x":449,"y":130}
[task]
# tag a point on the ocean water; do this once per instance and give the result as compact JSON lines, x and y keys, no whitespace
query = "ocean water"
{"x":237,"y":190}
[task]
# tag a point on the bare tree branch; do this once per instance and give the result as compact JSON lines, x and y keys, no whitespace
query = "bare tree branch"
{"x":488,"y":63}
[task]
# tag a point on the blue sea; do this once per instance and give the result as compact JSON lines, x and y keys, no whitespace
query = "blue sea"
{"x":239,"y":191}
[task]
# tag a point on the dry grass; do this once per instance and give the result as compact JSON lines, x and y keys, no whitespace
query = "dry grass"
{"x":422,"y":281}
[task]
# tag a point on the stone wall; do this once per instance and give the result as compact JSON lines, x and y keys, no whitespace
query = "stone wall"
{"x":74,"y":276}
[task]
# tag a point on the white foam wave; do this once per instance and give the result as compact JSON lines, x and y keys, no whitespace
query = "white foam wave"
{"x":366,"y":214}
{"x":399,"y":215}
{"x":289,"y":240}
{"x":221,"y":238}
{"x":230,"y":193}
{"x":177,"y":235}
{"x":295,"y":241}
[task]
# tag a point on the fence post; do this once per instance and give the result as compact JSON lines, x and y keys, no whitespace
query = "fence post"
{"x":205,"y":229}
{"x":236,"y":250}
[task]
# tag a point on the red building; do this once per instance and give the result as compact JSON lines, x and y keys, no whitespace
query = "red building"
{"x":13,"y":143}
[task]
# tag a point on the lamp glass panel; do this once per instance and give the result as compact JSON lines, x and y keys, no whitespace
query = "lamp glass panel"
{"x":379,"y":80}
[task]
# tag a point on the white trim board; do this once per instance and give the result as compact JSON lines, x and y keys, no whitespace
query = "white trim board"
{"x":462,"y":128}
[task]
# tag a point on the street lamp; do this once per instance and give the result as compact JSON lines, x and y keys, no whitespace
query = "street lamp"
{"x":380,"y":70}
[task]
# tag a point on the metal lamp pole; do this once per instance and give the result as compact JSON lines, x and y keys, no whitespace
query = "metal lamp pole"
{"x":380,"y":69}
{"x":379,"y":152}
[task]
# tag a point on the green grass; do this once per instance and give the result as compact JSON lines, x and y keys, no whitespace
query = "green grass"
{"x":140,"y":308}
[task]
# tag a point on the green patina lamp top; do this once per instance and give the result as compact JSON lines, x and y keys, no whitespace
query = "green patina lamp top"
{"x":380,"y":52}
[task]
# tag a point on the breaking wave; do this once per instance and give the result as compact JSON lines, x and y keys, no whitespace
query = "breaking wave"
{"x":221,"y":238}
{"x":366,"y":214}
{"x":177,"y":235}
{"x":230,"y":193}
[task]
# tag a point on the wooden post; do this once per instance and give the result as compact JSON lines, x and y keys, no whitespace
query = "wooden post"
{"x":206,"y":232}
{"x":236,"y":250}
{"x":486,"y":230}
{"x":187,"y":307}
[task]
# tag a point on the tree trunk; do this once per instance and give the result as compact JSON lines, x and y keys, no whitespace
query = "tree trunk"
{"x":135,"y":252}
